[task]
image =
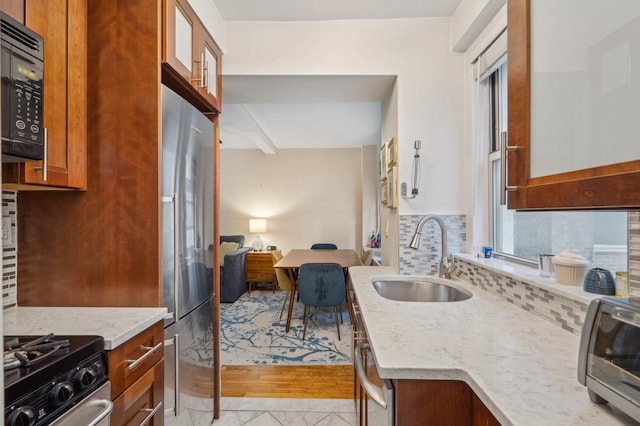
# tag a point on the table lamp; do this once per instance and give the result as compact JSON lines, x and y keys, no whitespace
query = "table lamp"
{"x":257,"y":226}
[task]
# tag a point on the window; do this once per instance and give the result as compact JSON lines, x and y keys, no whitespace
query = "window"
{"x":599,"y":236}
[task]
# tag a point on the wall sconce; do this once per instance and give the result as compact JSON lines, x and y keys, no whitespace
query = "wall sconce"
{"x":415,"y":175}
{"x":257,"y":226}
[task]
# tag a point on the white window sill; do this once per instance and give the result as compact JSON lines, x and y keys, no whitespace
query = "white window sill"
{"x":530,"y":276}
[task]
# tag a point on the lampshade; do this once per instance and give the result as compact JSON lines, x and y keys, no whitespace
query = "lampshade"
{"x":257,"y":225}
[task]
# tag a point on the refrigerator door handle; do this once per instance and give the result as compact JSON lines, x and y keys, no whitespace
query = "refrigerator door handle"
{"x":176,"y":265}
{"x":176,"y":391}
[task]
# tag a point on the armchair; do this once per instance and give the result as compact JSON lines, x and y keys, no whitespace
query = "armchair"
{"x":232,"y":274}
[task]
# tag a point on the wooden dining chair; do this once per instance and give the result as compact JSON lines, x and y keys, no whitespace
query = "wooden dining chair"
{"x":321,"y":285}
{"x":284,"y":281}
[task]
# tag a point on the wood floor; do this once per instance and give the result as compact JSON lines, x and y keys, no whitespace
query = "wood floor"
{"x":284,"y":381}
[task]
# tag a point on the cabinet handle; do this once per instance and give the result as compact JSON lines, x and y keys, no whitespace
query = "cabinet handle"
{"x":152,"y":412}
{"x":45,"y":160}
{"x":133,"y":363}
{"x":370,"y":388}
{"x":202,"y":77}
{"x":503,"y":168}
{"x":205,"y":76}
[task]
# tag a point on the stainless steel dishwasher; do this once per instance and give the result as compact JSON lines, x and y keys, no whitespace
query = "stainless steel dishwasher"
{"x":373,"y":396}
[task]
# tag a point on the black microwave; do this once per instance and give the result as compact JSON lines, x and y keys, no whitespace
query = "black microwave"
{"x":609,"y":356}
{"x":22,"y":70}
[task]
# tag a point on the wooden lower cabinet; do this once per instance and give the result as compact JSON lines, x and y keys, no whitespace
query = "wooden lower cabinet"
{"x":436,"y":402}
{"x":136,"y":372}
{"x":141,"y":403}
{"x":481,"y":414}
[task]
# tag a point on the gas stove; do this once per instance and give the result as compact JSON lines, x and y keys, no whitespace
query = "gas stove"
{"x":45,"y":376}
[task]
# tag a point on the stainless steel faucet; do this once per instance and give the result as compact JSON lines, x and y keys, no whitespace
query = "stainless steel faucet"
{"x":447,"y":265}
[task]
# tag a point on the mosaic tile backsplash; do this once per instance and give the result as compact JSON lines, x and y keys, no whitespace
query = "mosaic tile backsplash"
{"x":9,"y":250}
{"x":426,"y":259}
{"x":562,"y":311}
{"x":634,"y":252}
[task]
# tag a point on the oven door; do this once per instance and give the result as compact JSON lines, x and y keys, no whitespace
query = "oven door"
{"x":377,"y":393}
{"x":94,"y":410}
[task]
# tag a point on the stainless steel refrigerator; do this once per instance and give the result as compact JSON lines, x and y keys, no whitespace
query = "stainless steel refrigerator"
{"x":187,"y":233}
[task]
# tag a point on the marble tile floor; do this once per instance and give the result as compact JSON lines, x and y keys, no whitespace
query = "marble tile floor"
{"x":272,"y":412}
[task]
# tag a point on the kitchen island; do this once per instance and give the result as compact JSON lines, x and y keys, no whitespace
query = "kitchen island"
{"x":523,"y":368}
{"x":115,"y":325}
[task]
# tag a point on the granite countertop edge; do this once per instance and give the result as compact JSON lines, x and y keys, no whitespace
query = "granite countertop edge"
{"x":115,"y":324}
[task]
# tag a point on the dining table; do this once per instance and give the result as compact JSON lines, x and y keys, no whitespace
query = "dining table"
{"x":297,"y":257}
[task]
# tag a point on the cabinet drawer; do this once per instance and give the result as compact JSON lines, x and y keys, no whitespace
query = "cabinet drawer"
{"x":259,"y":267}
{"x":142,"y":401}
{"x":128,"y":362}
{"x":260,"y":276}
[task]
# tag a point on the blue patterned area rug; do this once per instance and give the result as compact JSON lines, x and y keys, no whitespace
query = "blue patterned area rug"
{"x":251,"y":332}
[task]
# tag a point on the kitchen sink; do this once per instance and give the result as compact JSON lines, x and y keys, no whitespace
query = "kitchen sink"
{"x":421,"y":290}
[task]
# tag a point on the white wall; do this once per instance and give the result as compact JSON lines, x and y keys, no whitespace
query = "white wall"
{"x":306,"y":195}
{"x":470,"y":19}
{"x":429,"y":90}
{"x":370,"y":192}
{"x":390,"y":233}
{"x":211,"y":19}
{"x":430,"y":86}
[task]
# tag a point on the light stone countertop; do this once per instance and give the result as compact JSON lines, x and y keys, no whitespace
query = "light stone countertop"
{"x":116,"y":325}
{"x":522,"y":367}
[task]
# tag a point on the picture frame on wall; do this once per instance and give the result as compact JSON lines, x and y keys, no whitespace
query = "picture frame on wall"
{"x":392,"y":153}
{"x":383,"y":191}
{"x":392,"y":193}
{"x":383,"y":161}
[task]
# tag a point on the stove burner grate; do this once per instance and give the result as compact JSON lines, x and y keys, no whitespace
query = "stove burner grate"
{"x":25,"y":354}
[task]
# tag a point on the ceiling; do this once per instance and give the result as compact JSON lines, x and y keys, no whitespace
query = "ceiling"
{"x":287,"y":112}
{"x":322,"y":10}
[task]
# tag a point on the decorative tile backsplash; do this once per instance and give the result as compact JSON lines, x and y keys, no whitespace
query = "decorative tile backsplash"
{"x":634,"y":252}
{"x":562,"y":311}
{"x":9,"y":249}
{"x":426,"y":259}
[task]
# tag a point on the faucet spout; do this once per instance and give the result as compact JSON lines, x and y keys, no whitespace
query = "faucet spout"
{"x":447,"y":265}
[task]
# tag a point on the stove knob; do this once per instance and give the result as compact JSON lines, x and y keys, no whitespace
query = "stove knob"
{"x":22,"y":416}
{"x":85,"y":377}
{"x":61,"y":393}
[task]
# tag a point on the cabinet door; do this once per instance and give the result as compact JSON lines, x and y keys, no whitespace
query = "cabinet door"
{"x":14,"y":8}
{"x":481,"y":414}
{"x":615,"y":185}
{"x":63,"y":25}
{"x":145,"y":348}
{"x":141,"y":403}
{"x":178,"y":46}
{"x":211,"y":87}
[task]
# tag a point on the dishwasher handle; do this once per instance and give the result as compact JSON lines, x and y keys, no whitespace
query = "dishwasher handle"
{"x":375,"y":393}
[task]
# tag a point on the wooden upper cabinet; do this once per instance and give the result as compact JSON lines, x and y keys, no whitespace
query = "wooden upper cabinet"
{"x":178,"y":44}
{"x":211,"y":55}
{"x":191,"y":59}
{"x":547,"y":136}
{"x":63,"y":25}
